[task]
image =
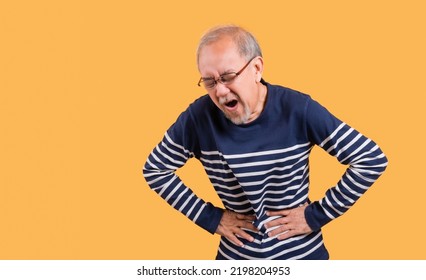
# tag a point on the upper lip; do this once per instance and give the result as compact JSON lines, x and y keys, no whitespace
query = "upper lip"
{"x":225,"y":100}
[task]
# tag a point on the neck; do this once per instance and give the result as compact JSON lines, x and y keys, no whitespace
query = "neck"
{"x":261,"y":102}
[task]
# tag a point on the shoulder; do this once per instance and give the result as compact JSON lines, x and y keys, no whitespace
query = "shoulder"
{"x":288,"y":100}
{"x":199,"y":113}
{"x":201,"y":105}
{"x":287,"y":94}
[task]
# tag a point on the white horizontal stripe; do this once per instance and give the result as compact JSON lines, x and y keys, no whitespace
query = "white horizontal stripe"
{"x":266,"y":171}
{"x":224,"y":171}
{"x":224,"y":187}
{"x":360,"y":147}
{"x":233,"y":195}
{"x":184,"y":157}
{"x":367,"y":160}
{"x":236,"y":203}
{"x":265,"y":250}
{"x":166,"y":185}
{"x":347,"y":198}
{"x":280,"y":243}
{"x":340,"y":139}
{"x":186,"y":202}
{"x":333,"y":192}
{"x":361,"y":157}
{"x":177,"y":162}
{"x":308,"y":252}
{"x":358,"y":166}
{"x":199,"y":212}
{"x":349,"y":189}
{"x":284,"y":187}
{"x":170,"y":167}
{"x":185,"y":190}
{"x":154,"y":173}
{"x":291,"y":174}
{"x":264,"y":153}
{"x":175,"y":188}
{"x":159,"y":178}
{"x":152,"y":165}
{"x":280,"y":207}
{"x":361,"y":186}
{"x":285,"y":184}
{"x":322,"y":203}
{"x":222,"y":179}
{"x":213,"y":161}
{"x":180,"y":147}
{"x":266,"y":162}
{"x":197,"y":201}
{"x":273,"y":202}
{"x":209,"y":153}
{"x":242,"y":211}
{"x":358,"y":174}
{"x":282,"y":192}
{"x":332,"y":134}
{"x":330,"y":204}
{"x":348,"y":145}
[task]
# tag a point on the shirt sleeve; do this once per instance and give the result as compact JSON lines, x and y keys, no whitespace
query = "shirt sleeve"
{"x":365,"y":160}
{"x":177,"y":146}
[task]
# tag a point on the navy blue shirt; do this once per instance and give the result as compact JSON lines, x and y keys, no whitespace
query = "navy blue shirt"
{"x":264,"y":165}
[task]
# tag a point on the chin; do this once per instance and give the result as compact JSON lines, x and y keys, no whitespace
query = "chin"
{"x":237,"y":121}
{"x":240,"y":119}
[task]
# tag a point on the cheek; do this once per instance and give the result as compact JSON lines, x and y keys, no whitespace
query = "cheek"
{"x":212,"y":96}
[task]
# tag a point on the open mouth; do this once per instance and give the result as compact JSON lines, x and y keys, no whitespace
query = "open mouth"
{"x":231,"y":104}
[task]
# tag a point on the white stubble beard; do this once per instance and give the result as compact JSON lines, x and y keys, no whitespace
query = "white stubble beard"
{"x":239,"y":119}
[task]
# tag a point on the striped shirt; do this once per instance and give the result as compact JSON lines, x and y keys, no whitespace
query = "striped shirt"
{"x":261,"y":166}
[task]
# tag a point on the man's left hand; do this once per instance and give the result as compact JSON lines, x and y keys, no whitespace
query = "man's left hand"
{"x":291,"y":223}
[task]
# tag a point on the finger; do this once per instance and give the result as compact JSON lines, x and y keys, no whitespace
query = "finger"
{"x":246,"y":217}
{"x":286,"y":234}
{"x":233,"y":238}
{"x":244,"y":235}
{"x":277,"y":222}
{"x":285,"y":212}
{"x":278,"y":213}
{"x":249,"y":226}
{"x":279,"y":230}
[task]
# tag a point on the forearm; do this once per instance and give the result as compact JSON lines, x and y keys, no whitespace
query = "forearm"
{"x":366,"y":162}
{"x":159,"y":172}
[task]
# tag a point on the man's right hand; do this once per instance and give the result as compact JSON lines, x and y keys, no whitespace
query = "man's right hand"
{"x":232,"y":224}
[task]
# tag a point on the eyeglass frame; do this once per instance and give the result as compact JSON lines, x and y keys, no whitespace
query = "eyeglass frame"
{"x":220,"y":79}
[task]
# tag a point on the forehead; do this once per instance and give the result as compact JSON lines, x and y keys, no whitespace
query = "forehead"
{"x":219,"y":56}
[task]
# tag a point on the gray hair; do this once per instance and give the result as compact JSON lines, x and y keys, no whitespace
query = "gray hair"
{"x":247,"y":44}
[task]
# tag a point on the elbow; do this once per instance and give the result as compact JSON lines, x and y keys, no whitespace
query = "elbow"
{"x":383,"y":163}
{"x":147,"y":171}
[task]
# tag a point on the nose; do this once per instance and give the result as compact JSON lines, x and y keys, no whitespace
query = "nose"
{"x":221,"y":90}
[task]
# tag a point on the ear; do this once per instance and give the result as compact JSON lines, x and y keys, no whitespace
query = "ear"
{"x":258,"y":64}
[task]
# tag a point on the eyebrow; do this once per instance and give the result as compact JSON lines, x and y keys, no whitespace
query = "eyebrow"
{"x":224,"y":73}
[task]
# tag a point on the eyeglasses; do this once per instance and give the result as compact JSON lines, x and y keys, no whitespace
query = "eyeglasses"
{"x":225,"y":79}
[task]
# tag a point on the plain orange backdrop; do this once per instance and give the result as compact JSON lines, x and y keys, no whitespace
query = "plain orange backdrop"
{"x":87,"y":89}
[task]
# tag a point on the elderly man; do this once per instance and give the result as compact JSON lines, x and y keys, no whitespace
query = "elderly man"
{"x":254,"y":140}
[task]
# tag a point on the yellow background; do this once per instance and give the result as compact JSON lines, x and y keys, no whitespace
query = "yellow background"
{"x":87,"y":89}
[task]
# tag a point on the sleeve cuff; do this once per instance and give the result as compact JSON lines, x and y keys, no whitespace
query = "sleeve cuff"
{"x":210,"y":219}
{"x":315,"y":216}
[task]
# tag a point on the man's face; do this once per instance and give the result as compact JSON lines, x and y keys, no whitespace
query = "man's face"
{"x":239,"y":100}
